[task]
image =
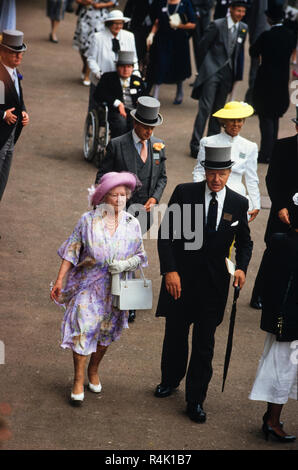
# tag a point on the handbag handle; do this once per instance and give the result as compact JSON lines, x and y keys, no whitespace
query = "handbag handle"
{"x":142,"y":274}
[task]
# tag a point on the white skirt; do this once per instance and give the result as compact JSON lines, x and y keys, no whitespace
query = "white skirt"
{"x":277,"y":374}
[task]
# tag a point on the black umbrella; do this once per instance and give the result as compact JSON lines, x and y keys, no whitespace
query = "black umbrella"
{"x":230,"y":336}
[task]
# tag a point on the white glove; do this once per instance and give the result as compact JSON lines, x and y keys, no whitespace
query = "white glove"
{"x":129,"y":264}
{"x":149,"y":39}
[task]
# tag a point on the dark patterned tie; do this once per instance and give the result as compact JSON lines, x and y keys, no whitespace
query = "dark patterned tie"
{"x":115,"y":45}
{"x":212,"y":213}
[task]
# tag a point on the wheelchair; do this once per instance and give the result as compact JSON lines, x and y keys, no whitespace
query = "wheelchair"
{"x":96,"y":134}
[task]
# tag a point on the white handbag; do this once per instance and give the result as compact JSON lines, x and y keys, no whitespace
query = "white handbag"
{"x":135,"y":294}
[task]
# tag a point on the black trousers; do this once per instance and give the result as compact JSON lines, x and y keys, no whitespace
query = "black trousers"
{"x":269,"y":133}
{"x":176,"y":351}
{"x":213,"y":97}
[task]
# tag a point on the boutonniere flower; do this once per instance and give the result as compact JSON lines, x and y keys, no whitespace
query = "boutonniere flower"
{"x":136,"y":83}
{"x":243,"y":30}
{"x":20,"y":76}
{"x":295,"y":199}
{"x":158,"y":146}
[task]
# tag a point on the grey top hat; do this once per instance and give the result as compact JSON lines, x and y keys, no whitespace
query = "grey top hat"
{"x":296,"y":120}
{"x":125,"y":58}
{"x":147,"y":111}
{"x":13,"y":39}
{"x":217,"y":158}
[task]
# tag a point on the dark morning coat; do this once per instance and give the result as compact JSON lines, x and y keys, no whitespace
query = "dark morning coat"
{"x":11,"y":100}
{"x":271,"y":87}
{"x":203,"y":272}
{"x":280,"y":290}
{"x":121,"y":155}
{"x":109,"y":89}
{"x":281,"y":181}
{"x":213,"y":52}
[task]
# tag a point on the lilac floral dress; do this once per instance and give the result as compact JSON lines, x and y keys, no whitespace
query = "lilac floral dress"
{"x":90,"y":316}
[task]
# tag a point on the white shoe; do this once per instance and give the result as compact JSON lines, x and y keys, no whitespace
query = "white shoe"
{"x":95,"y":388}
{"x":86,"y":82}
{"x":77,"y":399}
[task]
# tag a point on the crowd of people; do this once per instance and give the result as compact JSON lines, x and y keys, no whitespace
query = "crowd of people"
{"x":126,"y":56}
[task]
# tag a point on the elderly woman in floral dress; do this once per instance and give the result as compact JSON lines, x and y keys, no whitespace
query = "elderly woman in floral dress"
{"x":106,"y":241}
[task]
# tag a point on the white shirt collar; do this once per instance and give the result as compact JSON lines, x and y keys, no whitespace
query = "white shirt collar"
{"x":230,"y":138}
{"x":220,"y":195}
{"x":231,"y":22}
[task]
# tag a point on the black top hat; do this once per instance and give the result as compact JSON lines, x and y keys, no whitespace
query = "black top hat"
{"x":296,"y":120}
{"x":217,"y":158}
{"x":275,"y":9}
{"x":240,"y":3}
{"x":13,"y":40}
{"x":147,"y":111}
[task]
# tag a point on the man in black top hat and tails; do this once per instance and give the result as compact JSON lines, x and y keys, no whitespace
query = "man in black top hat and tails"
{"x":13,"y":115}
{"x":282,"y":183}
{"x":143,"y":154}
{"x":195,"y":282}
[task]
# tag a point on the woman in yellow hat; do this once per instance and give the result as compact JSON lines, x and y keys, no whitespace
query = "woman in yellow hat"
{"x":244,"y":154}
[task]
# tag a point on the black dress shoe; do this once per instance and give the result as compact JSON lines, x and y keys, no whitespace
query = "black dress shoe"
{"x":163,"y":391}
{"x":196,"y":413}
{"x":256,"y":302}
{"x":131,"y":316}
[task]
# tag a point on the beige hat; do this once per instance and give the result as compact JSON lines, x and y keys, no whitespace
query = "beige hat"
{"x":116,"y":15}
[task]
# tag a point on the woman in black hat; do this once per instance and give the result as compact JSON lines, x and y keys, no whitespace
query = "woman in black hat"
{"x":277,"y":374}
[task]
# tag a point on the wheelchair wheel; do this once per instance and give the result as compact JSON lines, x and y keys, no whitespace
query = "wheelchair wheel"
{"x":91,"y":135}
{"x":103,"y":135}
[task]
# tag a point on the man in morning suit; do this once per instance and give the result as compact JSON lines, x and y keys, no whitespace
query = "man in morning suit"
{"x":143,"y":154}
{"x":195,"y":280}
{"x":282,"y":184}
{"x":13,"y":115}
{"x":274,"y":48}
{"x":216,"y":59}
{"x":120,"y":90}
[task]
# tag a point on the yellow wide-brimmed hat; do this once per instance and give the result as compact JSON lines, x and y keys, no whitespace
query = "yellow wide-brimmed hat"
{"x":235,"y":110}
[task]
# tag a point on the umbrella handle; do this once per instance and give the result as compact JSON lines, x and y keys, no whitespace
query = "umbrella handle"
{"x":236,"y":292}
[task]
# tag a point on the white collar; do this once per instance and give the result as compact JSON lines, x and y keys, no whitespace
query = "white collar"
{"x":220,"y":195}
{"x":230,"y":138}
{"x":231,"y":22}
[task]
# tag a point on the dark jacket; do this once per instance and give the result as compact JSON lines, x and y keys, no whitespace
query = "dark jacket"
{"x":137,"y":10}
{"x":11,"y":100}
{"x":281,"y":181}
{"x":271,"y":87}
{"x":203,"y":271}
{"x":213,"y":52}
{"x":280,"y":291}
{"x":109,"y":89}
{"x":121,"y":155}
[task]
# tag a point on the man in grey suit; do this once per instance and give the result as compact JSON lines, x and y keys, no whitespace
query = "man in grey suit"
{"x":217,"y":56}
{"x":142,"y":154}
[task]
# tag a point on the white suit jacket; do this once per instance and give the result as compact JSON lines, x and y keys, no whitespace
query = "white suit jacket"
{"x":101,"y":57}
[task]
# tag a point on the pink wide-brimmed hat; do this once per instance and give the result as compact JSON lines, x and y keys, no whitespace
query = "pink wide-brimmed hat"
{"x":111,"y":180}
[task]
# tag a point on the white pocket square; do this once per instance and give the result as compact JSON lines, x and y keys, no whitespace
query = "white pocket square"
{"x":235,"y":223}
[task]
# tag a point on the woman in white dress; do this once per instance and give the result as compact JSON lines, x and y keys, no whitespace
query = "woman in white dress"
{"x":277,"y":374}
{"x":91,"y":16}
{"x":244,"y":153}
